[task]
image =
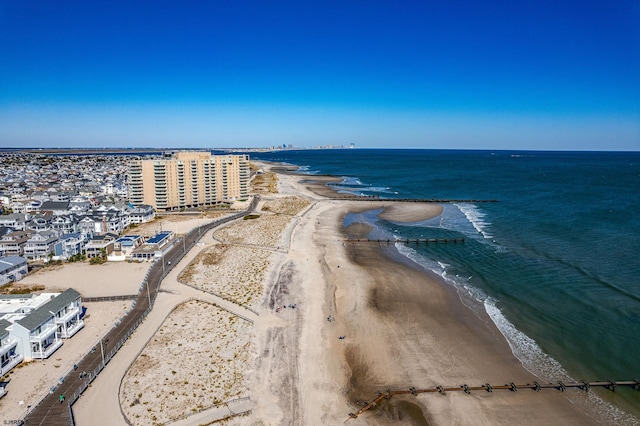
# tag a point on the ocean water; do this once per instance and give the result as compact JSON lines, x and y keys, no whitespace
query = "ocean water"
{"x":555,"y":262}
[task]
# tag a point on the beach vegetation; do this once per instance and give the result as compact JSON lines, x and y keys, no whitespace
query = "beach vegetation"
{"x":13,"y":288}
{"x":189,"y":361}
{"x":251,"y":216}
{"x":79,"y":257}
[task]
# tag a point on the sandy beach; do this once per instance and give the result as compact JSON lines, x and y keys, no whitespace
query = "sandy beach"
{"x":253,"y":316}
{"x":402,"y":328}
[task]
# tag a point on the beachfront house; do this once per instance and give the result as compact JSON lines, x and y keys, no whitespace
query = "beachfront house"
{"x":68,"y":245}
{"x":155,"y":247}
{"x":40,"y":327}
{"x":99,"y":245}
{"x":38,"y":333}
{"x":124,"y":246}
{"x":40,"y":245}
{"x":67,"y":311}
{"x":9,"y":351}
{"x":12,"y":268}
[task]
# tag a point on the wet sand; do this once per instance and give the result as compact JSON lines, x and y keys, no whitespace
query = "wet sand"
{"x":403,"y":327}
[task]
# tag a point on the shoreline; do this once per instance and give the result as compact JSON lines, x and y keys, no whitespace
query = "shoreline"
{"x":404,"y":325}
{"x":437,"y":328}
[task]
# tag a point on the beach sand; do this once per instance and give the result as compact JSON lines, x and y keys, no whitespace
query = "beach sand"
{"x":403,"y":327}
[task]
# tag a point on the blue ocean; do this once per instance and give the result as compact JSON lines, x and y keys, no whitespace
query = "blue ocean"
{"x":554,"y":262}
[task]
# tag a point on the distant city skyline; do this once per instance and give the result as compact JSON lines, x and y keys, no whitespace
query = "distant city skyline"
{"x":549,"y":75}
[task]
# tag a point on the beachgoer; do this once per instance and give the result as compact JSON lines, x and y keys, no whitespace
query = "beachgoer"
{"x":61,"y":398}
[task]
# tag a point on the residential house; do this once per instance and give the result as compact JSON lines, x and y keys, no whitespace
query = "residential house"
{"x":12,"y":268}
{"x":40,"y":245}
{"x":18,"y":206}
{"x":99,"y":244}
{"x":106,"y":222}
{"x":59,"y":196}
{"x":142,"y":214}
{"x":55,"y":207}
{"x":65,"y":224}
{"x":79,"y":205}
{"x":32,"y":206}
{"x":88,"y":225}
{"x":69,"y":245}
{"x":40,"y":223}
{"x":67,"y":311}
{"x":38,"y":333}
{"x":40,"y":195}
{"x":124,"y":246}
{"x":10,"y":356}
{"x":38,"y":323}
{"x":13,"y":244}
{"x":5,"y":199}
{"x":14,"y":221}
{"x":118,"y":222}
{"x":154,"y":247}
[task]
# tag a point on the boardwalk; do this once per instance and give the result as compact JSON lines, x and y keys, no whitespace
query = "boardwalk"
{"x":51,"y":410}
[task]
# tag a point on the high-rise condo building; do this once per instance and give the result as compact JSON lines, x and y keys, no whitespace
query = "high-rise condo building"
{"x":188,"y":179}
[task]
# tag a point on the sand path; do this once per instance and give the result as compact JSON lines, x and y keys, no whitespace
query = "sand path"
{"x":100,"y":405}
{"x":402,"y":328}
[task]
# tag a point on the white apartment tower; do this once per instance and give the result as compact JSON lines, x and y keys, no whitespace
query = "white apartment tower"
{"x":188,"y":179}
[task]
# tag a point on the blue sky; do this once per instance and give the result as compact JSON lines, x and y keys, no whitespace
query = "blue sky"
{"x":415,"y":74}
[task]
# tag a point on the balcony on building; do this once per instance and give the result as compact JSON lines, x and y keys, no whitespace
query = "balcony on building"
{"x":9,"y":356}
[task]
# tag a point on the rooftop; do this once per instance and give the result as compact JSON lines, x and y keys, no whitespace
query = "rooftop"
{"x":159,"y":237}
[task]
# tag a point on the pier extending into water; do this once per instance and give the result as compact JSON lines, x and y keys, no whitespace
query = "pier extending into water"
{"x":442,"y":390}
{"x":407,"y":241}
{"x":411,"y":200}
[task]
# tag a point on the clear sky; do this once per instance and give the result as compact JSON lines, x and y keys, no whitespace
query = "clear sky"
{"x":236,"y":73}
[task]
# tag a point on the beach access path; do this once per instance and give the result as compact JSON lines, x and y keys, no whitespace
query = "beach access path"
{"x":403,"y":328}
{"x":100,"y":404}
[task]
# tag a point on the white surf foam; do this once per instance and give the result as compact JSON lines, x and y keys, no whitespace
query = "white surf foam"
{"x":535,"y":360}
{"x":476,"y":217}
{"x":530,"y":355}
{"x":525,"y":348}
{"x":306,"y":170}
{"x":352,"y":181}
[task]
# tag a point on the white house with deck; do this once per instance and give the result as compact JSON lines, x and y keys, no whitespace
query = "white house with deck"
{"x":10,"y":356}
{"x":12,"y":268}
{"x":41,"y":330}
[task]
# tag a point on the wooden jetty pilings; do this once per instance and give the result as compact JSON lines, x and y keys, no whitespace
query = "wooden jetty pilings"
{"x":407,"y":241}
{"x":412,"y":200}
{"x":442,"y":390}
